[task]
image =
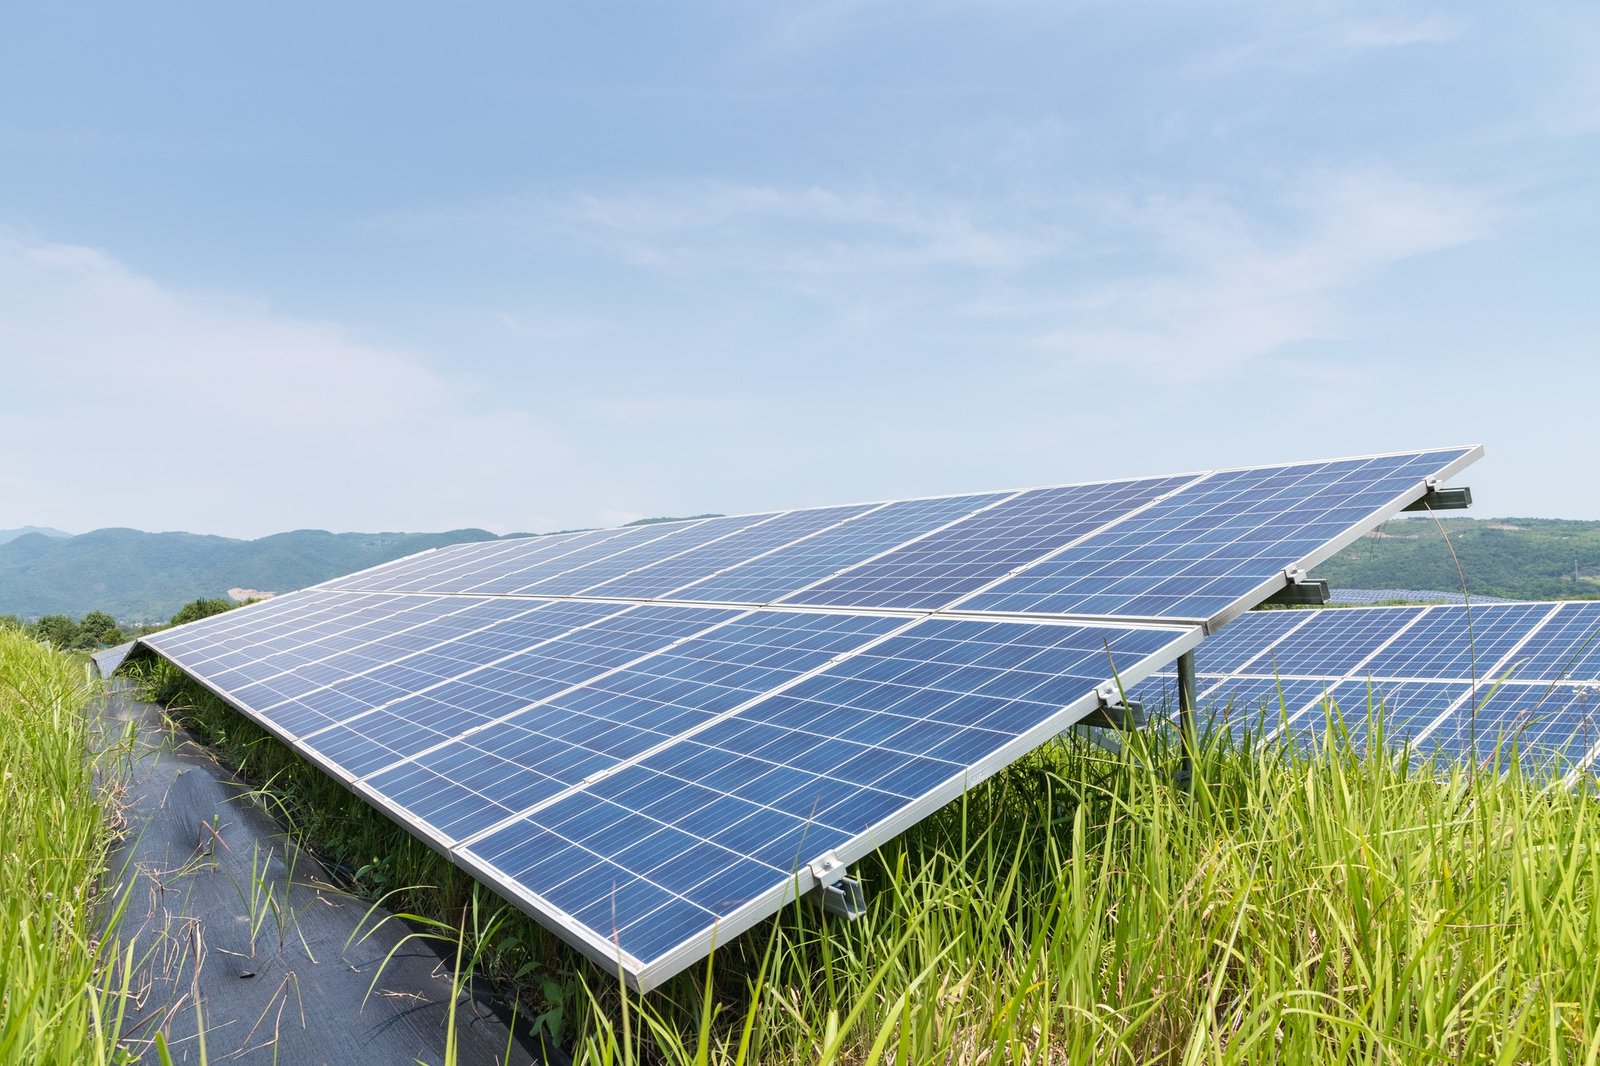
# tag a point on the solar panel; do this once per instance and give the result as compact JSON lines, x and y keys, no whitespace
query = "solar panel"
{"x":1449,"y":680}
{"x":652,"y":737}
{"x":708,"y":834}
{"x":935,"y":570}
{"x":770,"y":576}
{"x":1219,"y":544}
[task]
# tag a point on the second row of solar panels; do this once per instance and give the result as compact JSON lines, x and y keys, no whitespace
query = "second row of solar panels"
{"x":1462,"y":683}
{"x":1186,"y":547}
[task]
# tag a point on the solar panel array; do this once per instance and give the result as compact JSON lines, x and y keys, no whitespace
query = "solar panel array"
{"x":1458,"y":682}
{"x":1376,"y":597}
{"x":652,"y":737}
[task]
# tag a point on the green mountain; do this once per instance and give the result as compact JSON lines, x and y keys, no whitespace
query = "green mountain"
{"x":144,"y":577}
{"x":1517,"y":558}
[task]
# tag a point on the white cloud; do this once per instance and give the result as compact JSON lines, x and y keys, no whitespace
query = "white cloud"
{"x":1236,"y":289}
{"x":188,"y":409}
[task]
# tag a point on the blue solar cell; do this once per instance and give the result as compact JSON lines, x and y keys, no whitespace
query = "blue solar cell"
{"x":488,"y":560}
{"x":1334,"y":643}
{"x":570,"y":582}
{"x":433,"y":639}
{"x":470,"y":783}
{"x":771,"y":576}
{"x":1260,"y":706}
{"x":532,"y":560}
{"x":807,"y":770}
{"x":1197,"y":553}
{"x":389,"y":577}
{"x":1247,"y":638}
{"x":1405,"y":709}
{"x":1549,"y":727}
{"x":464,"y":655}
{"x":1455,"y":642}
{"x":210,"y":633}
{"x":940,"y":568}
{"x":657,"y":579}
{"x":1567,"y":647}
{"x":288,"y":639}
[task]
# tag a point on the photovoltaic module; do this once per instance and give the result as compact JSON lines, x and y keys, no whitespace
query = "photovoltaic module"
{"x":650,"y":738}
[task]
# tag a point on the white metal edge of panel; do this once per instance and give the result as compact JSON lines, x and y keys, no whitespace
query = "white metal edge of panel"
{"x":676,"y":959}
{"x":1353,"y":533}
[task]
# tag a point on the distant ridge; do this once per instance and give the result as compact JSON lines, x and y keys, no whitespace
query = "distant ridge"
{"x":144,"y":577}
{"x":9,"y":535}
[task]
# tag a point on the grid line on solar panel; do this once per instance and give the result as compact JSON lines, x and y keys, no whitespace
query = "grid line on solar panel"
{"x":578,"y":734}
{"x":1247,"y":639}
{"x":1452,"y":642}
{"x":456,"y":659}
{"x":439,"y":634}
{"x":1543,"y":722}
{"x":1566,"y":646}
{"x":769,"y":577}
{"x":746,"y":545}
{"x":277,"y":623}
{"x":775,"y":751}
{"x":518,"y":553}
{"x":533,"y":560}
{"x":1345,"y":641}
{"x":610,"y":644}
{"x":573,"y":579}
{"x":293,"y":655}
{"x":947,"y":564}
{"x":1405,"y":710}
{"x":384,"y":576}
{"x":1220,"y":541}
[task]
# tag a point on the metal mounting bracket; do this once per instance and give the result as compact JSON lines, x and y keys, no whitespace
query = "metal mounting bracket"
{"x":1114,"y":712}
{"x":1437,"y":498}
{"x":1300,"y":591}
{"x":836,"y":893}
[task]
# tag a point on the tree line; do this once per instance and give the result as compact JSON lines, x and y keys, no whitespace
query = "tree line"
{"x":97,"y":629}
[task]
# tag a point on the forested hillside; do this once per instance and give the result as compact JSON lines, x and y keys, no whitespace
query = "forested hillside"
{"x":140,"y":577}
{"x":1517,"y":558}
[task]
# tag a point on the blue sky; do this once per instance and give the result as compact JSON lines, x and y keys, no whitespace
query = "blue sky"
{"x":417,"y":267}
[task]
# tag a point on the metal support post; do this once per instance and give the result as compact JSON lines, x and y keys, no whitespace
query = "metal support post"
{"x":1186,"y":718}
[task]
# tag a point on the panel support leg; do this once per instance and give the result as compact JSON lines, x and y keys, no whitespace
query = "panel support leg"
{"x":1186,"y":719}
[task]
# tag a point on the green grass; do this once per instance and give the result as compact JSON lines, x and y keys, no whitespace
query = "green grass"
{"x":59,"y":999}
{"x":1295,"y":907}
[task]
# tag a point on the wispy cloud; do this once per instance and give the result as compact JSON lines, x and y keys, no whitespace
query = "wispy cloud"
{"x":1302,"y":46}
{"x":717,"y":226}
{"x":278,"y":420}
{"x":1235,"y":288}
